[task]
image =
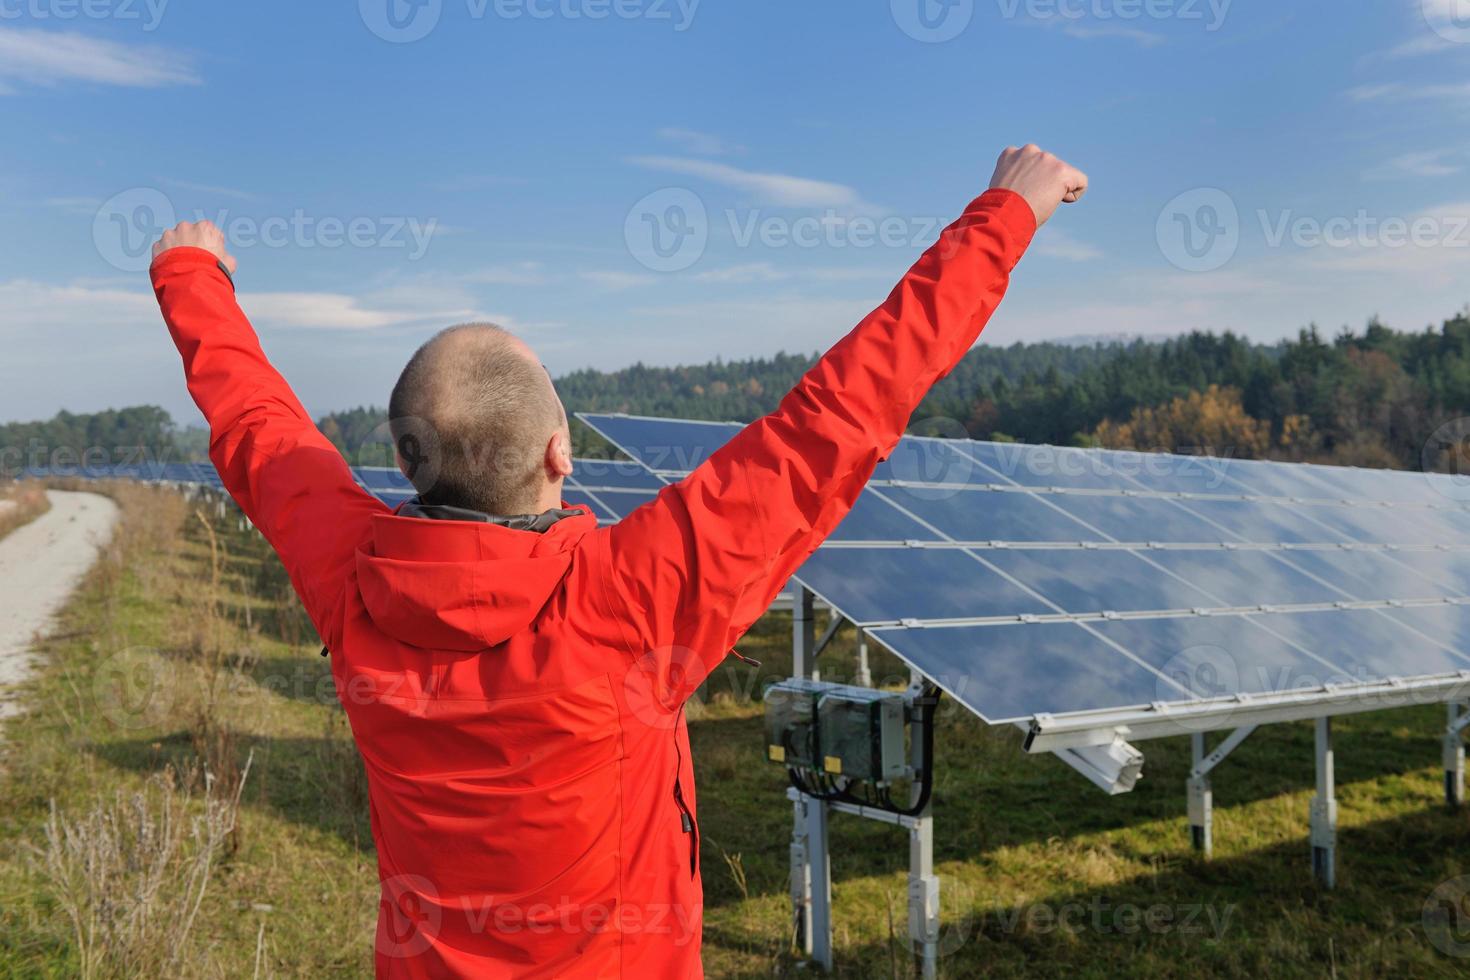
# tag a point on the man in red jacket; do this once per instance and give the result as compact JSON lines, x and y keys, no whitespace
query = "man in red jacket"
{"x":515,"y":675}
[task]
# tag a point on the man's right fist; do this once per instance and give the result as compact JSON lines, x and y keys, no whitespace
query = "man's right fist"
{"x":203,"y":235}
{"x":1042,"y":179}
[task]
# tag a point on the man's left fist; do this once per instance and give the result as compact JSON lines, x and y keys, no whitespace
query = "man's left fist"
{"x":188,"y":234}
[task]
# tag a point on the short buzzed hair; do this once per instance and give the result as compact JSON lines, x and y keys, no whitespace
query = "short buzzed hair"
{"x":470,"y":416}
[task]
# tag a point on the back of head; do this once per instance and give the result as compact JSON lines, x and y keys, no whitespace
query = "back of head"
{"x":472,"y":415}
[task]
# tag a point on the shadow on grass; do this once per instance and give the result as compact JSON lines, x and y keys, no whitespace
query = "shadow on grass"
{"x":315,"y":782}
{"x":1257,"y":914}
{"x":991,"y":796}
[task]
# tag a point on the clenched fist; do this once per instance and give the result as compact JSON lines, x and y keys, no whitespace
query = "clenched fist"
{"x":1042,"y":179}
{"x":205,"y":235}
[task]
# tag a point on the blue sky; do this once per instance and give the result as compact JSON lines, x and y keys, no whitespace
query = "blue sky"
{"x":389,"y":167}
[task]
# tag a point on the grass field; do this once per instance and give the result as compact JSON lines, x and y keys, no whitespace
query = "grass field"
{"x":185,"y":654}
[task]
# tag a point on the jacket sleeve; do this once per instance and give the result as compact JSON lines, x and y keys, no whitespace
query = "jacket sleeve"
{"x":286,"y":476}
{"x":690,"y":571}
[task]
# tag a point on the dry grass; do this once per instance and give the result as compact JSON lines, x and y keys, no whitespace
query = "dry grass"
{"x":131,"y":873}
{"x":20,"y":504}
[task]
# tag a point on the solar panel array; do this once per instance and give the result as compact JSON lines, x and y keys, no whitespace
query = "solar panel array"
{"x":1030,"y":580}
{"x":609,"y":488}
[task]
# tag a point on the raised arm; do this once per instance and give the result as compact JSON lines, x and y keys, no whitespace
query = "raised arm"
{"x":286,"y":476}
{"x":700,"y":563}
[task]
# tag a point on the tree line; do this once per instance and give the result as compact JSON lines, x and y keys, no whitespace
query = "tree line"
{"x":1376,"y":397}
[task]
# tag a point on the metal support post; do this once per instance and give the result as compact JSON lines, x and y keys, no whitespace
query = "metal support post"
{"x":923,"y":882}
{"x":803,"y":634}
{"x":864,"y":672}
{"x":1454,"y":754}
{"x":1201,"y":800}
{"x":811,"y":874}
{"x":1324,"y":810}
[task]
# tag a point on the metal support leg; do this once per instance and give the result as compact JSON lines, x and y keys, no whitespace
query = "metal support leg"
{"x":864,"y":672}
{"x":811,"y":874}
{"x":801,"y":879}
{"x":1201,"y":800}
{"x":1324,"y":810}
{"x":803,"y":634}
{"x":820,"y":875}
{"x":1454,"y":755}
{"x":924,"y":898}
{"x":923,"y":882}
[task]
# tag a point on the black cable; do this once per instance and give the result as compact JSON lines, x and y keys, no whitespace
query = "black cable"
{"x":828,"y":791}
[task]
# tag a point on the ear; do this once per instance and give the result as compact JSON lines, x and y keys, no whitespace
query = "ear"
{"x":559,"y":457}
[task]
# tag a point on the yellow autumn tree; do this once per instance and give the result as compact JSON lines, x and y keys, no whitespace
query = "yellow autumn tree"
{"x":1212,"y":422}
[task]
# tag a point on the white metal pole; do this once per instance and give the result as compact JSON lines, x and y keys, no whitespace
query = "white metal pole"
{"x":1201,"y":800}
{"x":811,"y":875}
{"x":1324,"y":810}
{"x":1454,"y":758}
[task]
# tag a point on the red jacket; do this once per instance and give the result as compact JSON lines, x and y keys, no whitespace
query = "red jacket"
{"x":518,"y":697}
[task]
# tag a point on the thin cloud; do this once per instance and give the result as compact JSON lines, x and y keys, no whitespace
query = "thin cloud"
{"x":1434,"y":163}
{"x":48,"y":58}
{"x":1055,"y":244}
{"x":209,"y":189}
{"x":700,"y":144}
{"x":1087,"y":32}
{"x":1400,"y":92}
{"x":612,"y":279}
{"x":334,"y":311}
{"x":780,"y":190}
{"x":512,"y":274}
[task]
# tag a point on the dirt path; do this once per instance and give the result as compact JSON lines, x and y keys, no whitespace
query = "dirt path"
{"x":40,"y":564}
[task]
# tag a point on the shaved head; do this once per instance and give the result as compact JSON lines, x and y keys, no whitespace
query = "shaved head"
{"x":472,"y":416}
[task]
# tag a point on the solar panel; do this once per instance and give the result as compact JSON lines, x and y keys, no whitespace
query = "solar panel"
{"x":1031,"y":580}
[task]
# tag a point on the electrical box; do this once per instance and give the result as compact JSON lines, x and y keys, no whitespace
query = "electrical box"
{"x":791,"y":722}
{"x":840,"y":730}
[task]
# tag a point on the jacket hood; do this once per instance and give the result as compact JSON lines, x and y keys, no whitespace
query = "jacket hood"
{"x":461,"y":585}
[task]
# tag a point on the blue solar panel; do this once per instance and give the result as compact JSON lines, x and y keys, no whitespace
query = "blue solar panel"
{"x":1010,"y":673}
{"x":1267,"y":522}
{"x":1043,"y":466}
{"x":1367,"y":642}
{"x":664,"y":447}
{"x":1090,"y":582}
{"x":1246,"y":578}
{"x":1140,"y":519}
{"x":1162,"y":473}
{"x":987,"y":515}
{"x":877,"y":585}
{"x":1376,"y":575}
{"x":873,"y":518}
{"x":1221,"y":534}
{"x":613,"y":474}
{"x":1218,"y":656}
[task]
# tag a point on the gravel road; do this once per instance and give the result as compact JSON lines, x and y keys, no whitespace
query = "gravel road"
{"x":40,"y":564}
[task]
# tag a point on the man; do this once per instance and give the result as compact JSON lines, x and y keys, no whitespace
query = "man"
{"x":514,"y":675}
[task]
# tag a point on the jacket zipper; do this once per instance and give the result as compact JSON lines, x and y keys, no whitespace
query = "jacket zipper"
{"x":686,"y":816}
